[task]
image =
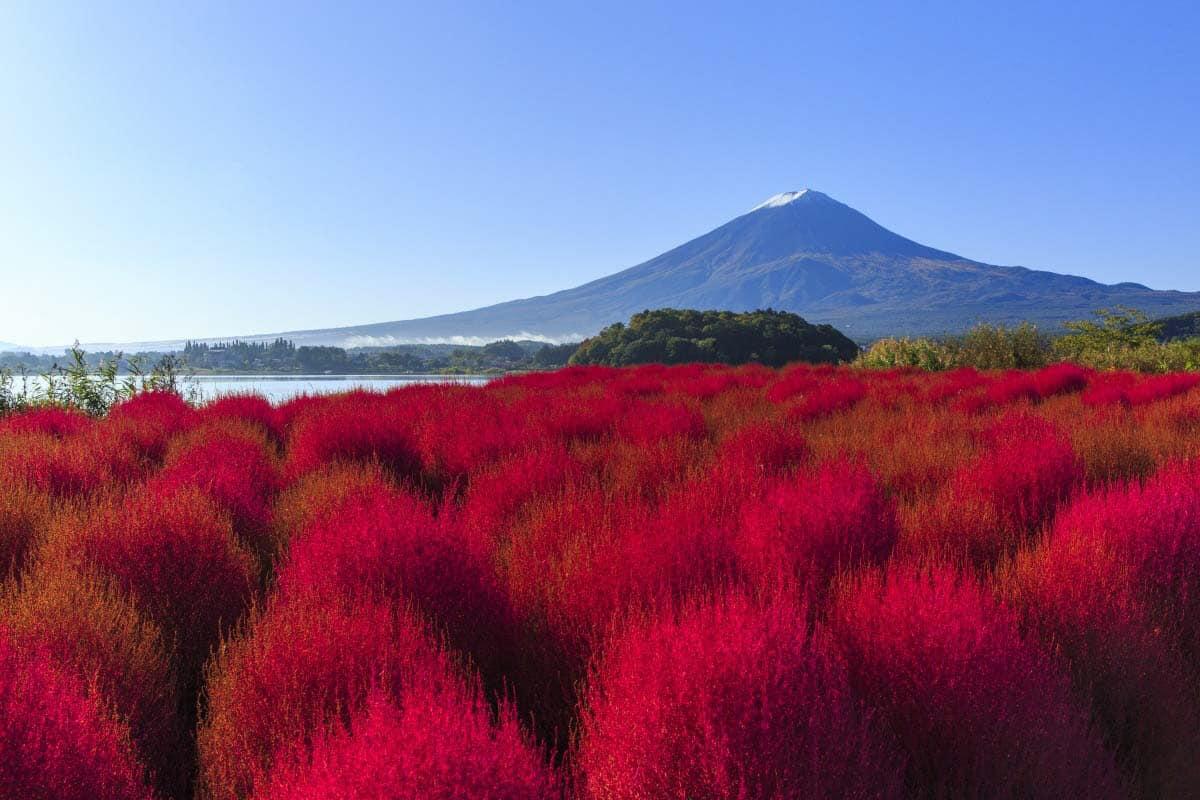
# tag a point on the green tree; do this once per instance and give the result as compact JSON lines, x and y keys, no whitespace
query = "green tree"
{"x":676,"y":336}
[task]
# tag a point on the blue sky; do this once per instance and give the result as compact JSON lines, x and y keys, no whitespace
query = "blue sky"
{"x":211,"y":169}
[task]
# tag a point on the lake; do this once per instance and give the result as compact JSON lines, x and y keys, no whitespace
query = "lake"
{"x":278,"y":388}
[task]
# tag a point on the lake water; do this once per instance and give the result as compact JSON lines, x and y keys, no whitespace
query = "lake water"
{"x":278,"y":388}
{"x":281,"y":387}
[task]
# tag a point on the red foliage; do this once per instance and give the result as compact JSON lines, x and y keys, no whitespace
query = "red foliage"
{"x":977,"y":711}
{"x":1155,"y":532}
{"x":391,"y":544}
{"x":357,"y":427}
{"x":56,"y":741}
{"x":827,"y":398}
{"x":1077,"y":596}
{"x":648,"y":422}
{"x":91,"y":631}
{"x":25,"y":513}
{"x":686,"y":581}
{"x":231,"y":463}
{"x":173,"y":551}
{"x":731,"y":700}
{"x":148,"y":420}
{"x":1060,"y":379}
{"x":247,"y":407}
{"x":991,"y":505}
{"x":829,"y":518}
{"x":433,"y":744}
{"x":51,"y":419}
{"x":297,"y":669}
{"x":759,"y":451}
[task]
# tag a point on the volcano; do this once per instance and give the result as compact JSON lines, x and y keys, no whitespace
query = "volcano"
{"x":799,"y":251}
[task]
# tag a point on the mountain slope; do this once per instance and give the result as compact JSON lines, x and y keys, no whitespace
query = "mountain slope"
{"x":803,"y":252}
{"x":799,"y":251}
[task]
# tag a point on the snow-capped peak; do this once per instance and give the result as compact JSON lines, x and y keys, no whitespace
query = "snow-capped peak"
{"x":781,"y":199}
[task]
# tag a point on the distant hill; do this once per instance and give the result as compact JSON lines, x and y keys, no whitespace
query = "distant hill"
{"x":802,"y":252}
{"x":1182,"y":326}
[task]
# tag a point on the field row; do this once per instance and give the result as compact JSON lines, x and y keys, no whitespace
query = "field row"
{"x":685,"y":582}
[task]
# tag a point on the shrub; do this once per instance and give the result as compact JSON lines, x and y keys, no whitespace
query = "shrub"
{"x":100,"y":637}
{"x":998,"y":347}
{"x":149,"y":419}
{"x":232,"y":464}
{"x":56,"y":741}
{"x":1155,"y":532}
{"x":1074,"y":594}
{"x":828,"y":398}
{"x":1002,"y":497}
{"x":391,"y":544}
{"x":24,"y":515}
{"x":431,"y":745}
{"x":246,"y":407}
{"x":51,"y":420}
{"x":497,"y":493}
{"x":730,"y":700}
{"x":759,"y":451}
{"x":294,"y":670}
{"x":977,"y":711}
{"x":828,"y":518}
{"x":356,"y":426}
{"x":891,"y":353}
{"x":649,"y":422}
{"x":173,"y":552}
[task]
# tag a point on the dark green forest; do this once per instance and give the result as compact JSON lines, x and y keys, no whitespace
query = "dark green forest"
{"x":679,"y":336}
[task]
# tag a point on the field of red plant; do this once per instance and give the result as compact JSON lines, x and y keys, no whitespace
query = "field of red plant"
{"x":687,"y":582}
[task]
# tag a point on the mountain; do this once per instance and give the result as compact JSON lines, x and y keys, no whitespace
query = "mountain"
{"x":1184,"y":326}
{"x":798,"y":251}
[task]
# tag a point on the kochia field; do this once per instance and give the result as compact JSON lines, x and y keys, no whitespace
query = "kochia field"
{"x":688,"y":582}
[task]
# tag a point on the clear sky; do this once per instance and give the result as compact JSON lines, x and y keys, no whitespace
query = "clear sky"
{"x":207,"y":169}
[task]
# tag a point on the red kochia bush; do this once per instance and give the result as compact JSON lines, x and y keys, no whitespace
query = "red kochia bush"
{"x":49,"y":464}
{"x":498,"y":492}
{"x":977,"y":710}
{"x":252,"y":408}
{"x":56,"y":741}
{"x":392,"y":544}
{"x":103,"y":639}
{"x":231,"y":462}
{"x":732,"y":700}
{"x":645,"y":422}
{"x":830,"y":397}
{"x":828,"y":518}
{"x":1075,"y":594}
{"x":319,"y":494}
{"x":51,"y":419}
{"x":1060,"y":379}
{"x":356,"y":426}
{"x":459,"y":428}
{"x":431,"y":745}
{"x":1026,"y":469}
{"x":758,"y":451}
{"x":173,"y":551}
{"x":24,"y":514}
{"x":797,"y":379}
{"x":298,"y":668}
{"x":1013,"y":387}
{"x":1155,"y":532}
{"x":148,"y":420}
